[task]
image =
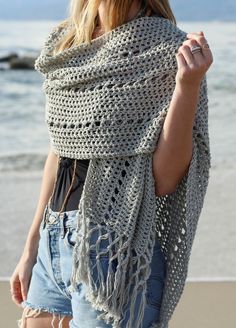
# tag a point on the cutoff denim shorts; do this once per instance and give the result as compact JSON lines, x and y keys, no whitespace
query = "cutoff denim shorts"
{"x":49,"y":288}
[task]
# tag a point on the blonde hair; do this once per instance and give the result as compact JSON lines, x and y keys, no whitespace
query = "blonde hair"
{"x":83,"y":17}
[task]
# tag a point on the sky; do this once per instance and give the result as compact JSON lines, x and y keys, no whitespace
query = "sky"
{"x":184,"y":10}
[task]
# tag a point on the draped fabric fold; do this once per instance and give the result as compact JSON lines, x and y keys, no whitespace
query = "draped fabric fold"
{"x":107,"y":101}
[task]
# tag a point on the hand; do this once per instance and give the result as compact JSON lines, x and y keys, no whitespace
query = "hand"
{"x":192,"y":67}
{"x":20,"y":279}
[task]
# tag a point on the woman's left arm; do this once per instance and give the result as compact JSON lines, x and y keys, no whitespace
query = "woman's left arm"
{"x":173,"y":154}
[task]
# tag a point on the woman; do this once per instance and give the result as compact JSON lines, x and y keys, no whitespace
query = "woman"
{"x":132,"y":281}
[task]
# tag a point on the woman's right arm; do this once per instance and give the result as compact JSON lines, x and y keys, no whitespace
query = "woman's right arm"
{"x":20,"y":278}
{"x":49,"y":175}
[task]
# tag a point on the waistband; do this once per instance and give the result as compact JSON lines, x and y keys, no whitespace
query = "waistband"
{"x":65,"y":219}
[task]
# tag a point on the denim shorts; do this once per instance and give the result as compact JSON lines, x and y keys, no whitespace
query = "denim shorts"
{"x":49,"y":288}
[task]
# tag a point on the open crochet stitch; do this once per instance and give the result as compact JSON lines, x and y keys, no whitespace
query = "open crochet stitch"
{"x":107,"y":101}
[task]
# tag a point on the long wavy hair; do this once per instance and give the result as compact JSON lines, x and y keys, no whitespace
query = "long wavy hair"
{"x":83,"y":17}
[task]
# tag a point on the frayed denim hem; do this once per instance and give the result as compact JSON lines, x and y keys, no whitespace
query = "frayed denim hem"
{"x":33,"y":311}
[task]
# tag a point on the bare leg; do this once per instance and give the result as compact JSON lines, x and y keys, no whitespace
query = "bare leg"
{"x":36,"y":318}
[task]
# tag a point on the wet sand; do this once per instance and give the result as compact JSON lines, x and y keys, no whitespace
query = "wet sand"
{"x":204,"y":304}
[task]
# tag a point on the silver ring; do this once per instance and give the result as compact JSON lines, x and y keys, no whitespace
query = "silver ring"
{"x":195,"y":49}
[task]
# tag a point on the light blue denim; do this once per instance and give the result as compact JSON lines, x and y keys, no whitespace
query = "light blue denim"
{"x":49,"y":288}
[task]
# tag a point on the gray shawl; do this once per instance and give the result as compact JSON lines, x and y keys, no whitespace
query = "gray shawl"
{"x":107,"y":102}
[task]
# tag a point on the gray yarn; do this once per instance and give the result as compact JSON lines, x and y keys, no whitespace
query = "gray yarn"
{"x":107,"y":102}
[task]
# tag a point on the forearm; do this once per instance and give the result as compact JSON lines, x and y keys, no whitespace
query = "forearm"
{"x":173,"y":154}
{"x":174,"y":148}
{"x":48,"y":179}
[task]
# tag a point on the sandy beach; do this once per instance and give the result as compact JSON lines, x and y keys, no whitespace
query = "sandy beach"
{"x":204,"y":304}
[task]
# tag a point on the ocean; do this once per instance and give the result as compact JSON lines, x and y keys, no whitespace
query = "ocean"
{"x":25,"y":143}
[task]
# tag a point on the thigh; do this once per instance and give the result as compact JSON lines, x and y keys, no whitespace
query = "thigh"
{"x":36,"y":318}
{"x":84,"y":315}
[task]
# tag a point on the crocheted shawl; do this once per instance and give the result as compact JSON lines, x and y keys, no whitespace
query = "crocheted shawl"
{"x":107,"y":102}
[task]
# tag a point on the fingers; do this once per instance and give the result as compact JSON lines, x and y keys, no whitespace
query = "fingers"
{"x":201,"y":58}
{"x":188,"y":56}
{"x":193,"y":64}
{"x":16,"y":292}
{"x":187,"y":59}
{"x":197,"y":57}
{"x":199,"y":37}
{"x":202,"y":42}
{"x":19,"y":289}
